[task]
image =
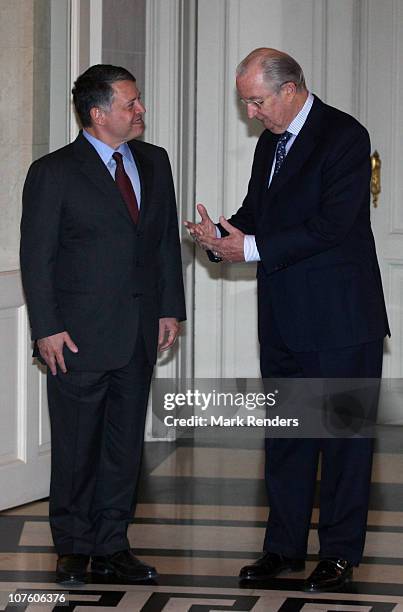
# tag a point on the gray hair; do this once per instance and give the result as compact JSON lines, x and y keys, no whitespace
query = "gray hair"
{"x":277,"y":67}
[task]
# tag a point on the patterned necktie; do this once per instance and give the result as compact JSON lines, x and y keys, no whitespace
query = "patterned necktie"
{"x":281,"y":151}
{"x":125,"y":187}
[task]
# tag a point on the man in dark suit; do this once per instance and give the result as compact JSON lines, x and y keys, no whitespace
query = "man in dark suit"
{"x":101,"y":269}
{"x":321,"y":312}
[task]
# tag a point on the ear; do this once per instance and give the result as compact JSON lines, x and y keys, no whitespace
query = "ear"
{"x":290,"y":89}
{"x":97,"y":115}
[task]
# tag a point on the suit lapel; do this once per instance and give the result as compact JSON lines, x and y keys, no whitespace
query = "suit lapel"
{"x":301,"y":149}
{"x":264,"y":163}
{"x":94,"y":169}
{"x":145,"y":170}
{"x":270,"y":151}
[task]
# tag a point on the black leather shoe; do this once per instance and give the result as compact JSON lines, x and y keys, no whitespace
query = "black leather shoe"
{"x":269,"y":566}
{"x":329,"y":575}
{"x":72,"y":569}
{"x":123,"y":564}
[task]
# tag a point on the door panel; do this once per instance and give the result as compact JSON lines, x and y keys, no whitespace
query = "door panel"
{"x":381,"y":110}
{"x":24,"y":425}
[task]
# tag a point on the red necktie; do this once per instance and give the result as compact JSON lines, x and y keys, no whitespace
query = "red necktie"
{"x":125,"y":187}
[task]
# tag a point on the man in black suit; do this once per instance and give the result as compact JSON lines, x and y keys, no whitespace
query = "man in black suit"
{"x":321,"y":312}
{"x":101,"y":269}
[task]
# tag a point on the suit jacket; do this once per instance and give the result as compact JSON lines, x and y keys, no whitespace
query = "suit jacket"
{"x":86,"y":267}
{"x":318,"y":268}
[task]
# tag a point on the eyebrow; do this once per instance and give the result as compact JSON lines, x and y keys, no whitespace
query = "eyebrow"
{"x":134,"y":99}
{"x":253,"y":99}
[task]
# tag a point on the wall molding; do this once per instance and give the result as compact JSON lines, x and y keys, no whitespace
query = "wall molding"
{"x":396,"y":216}
{"x":85,"y":44}
{"x":170,"y":102}
{"x":75,"y":15}
{"x":22,"y":382}
{"x":363,"y":73}
{"x":393,"y":363}
{"x":95,"y":50}
{"x":211,"y":129}
{"x":319,"y":47}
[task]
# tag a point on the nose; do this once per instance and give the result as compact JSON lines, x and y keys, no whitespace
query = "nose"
{"x":252,"y":110}
{"x":140,"y":108}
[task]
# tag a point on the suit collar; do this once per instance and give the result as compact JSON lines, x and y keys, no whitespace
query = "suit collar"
{"x":297,"y":123}
{"x":105,"y":151}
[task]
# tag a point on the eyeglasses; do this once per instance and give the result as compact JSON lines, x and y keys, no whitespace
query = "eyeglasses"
{"x":255,"y":103}
{"x":260,"y":101}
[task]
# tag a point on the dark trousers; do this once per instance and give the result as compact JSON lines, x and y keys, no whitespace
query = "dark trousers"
{"x":97,"y":429}
{"x":291,"y":464}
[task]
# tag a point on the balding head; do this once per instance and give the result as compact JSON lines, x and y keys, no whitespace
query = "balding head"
{"x":272,"y":85}
{"x":277,"y":68}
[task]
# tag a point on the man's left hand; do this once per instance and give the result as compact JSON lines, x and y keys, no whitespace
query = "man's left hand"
{"x":229,"y":248}
{"x":168,"y":332}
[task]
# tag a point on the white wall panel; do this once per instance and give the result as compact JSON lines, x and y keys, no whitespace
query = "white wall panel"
{"x":351,"y":53}
{"x":24,"y":450}
{"x":342,"y":57}
{"x":169,"y":99}
{"x":393,"y":358}
{"x":396,"y":70}
{"x":381,"y":110}
{"x":43,"y":411}
{"x":260,"y":24}
{"x":225,"y":295}
{"x":211,"y":109}
{"x":304,"y":28}
{"x":9,"y":435}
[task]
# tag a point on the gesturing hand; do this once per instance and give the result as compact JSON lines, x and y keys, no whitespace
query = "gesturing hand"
{"x":231,"y":247}
{"x":202,"y":230}
{"x":51,"y":350}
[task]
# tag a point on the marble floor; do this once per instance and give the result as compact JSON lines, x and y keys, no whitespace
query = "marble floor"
{"x":201,"y":516}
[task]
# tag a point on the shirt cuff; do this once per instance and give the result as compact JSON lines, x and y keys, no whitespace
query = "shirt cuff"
{"x":250,"y":249}
{"x":217,"y":232}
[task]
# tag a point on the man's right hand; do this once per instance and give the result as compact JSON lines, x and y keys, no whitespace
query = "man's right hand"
{"x":204,"y":229}
{"x":51,"y":350}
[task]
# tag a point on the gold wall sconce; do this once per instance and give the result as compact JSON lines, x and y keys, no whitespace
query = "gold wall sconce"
{"x":375,"y":177}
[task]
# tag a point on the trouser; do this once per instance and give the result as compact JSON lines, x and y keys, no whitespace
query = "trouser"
{"x":97,"y":429}
{"x":292,"y":464}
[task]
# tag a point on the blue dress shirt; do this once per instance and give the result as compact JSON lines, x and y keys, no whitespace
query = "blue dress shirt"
{"x":105,"y":152}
